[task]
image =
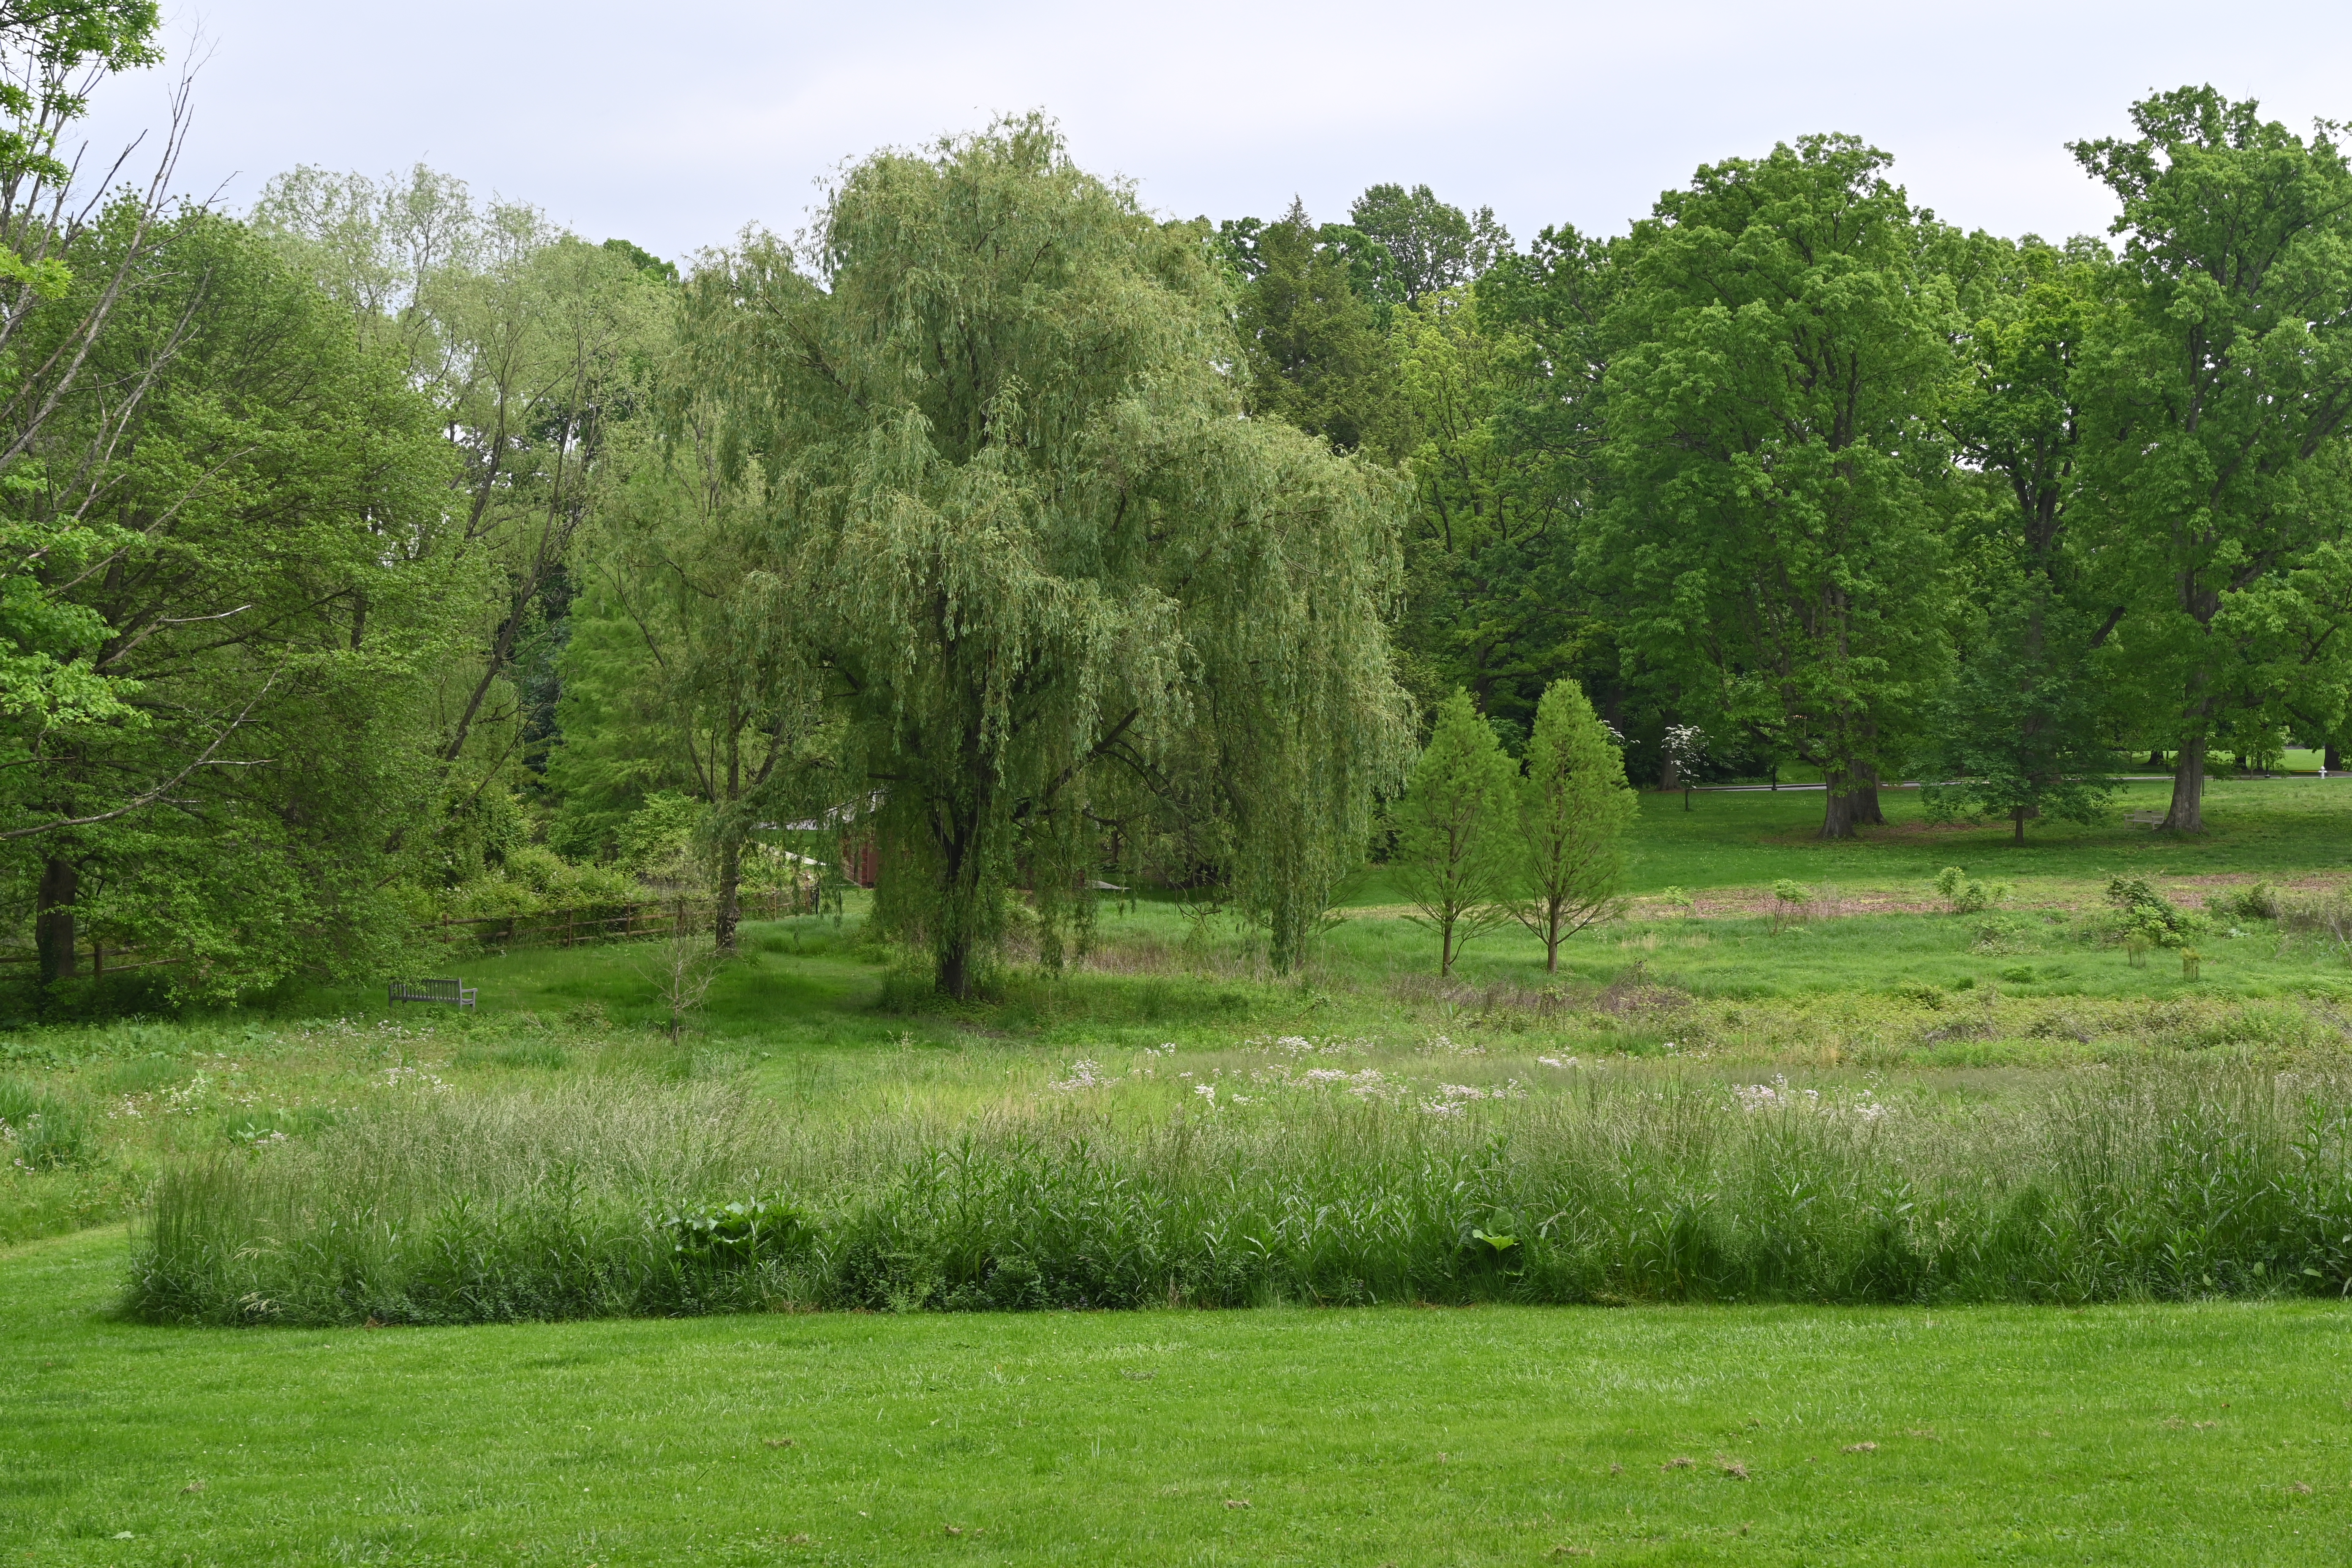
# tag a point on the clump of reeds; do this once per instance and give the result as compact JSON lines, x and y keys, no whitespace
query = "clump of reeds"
{"x":42,"y":1131}
{"x":2164,"y":1182}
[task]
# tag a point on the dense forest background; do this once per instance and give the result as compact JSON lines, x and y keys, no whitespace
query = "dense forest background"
{"x":383,"y":555}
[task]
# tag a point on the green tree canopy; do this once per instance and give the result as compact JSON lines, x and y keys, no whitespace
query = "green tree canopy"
{"x":1413,"y":245}
{"x":1316,"y":356}
{"x":2222,"y":393}
{"x":2027,"y":729}
{"x":253,"y":568}
{"x":1054,"y":585}
{"x":1780,"y":355}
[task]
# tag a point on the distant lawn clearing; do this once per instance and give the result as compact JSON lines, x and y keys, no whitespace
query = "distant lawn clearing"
{"x":2158,"y":1434}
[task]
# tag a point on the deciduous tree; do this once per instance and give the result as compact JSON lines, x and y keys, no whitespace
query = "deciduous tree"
{"x":2223,"y":392}
{"x":1771,"y":405}
{"x":1457,"y":851}
{"x":2026,"y":729}
{"x":1047,"y":564}
{"x":1573,"y":808}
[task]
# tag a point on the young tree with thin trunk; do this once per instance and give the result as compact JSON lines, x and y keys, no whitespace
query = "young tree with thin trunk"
{"x":1574,"y":806}
{"x":684,"y":666}
{"x":2222,"y":389}
{"x":1455,"y":853}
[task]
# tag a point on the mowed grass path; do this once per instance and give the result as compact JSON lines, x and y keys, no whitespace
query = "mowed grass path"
{"x":2155,"y":1435}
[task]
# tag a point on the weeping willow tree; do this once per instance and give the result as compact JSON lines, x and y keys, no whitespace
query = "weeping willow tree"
{"x":1059,"y":591}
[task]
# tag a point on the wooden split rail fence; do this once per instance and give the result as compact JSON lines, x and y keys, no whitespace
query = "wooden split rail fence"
{"x":642,"y":920}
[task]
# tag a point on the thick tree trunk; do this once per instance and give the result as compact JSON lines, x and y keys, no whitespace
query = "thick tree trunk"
{"x":726,"y":911}
{"x":1837,"y":817}
{"x":2156,"y":758}
{"x":1866,"y":808}
{"x":955,"y":967}
{"x":53,"y":918}
{"x":2016,"y":816}
{"x":1445,"y":951}
{"x":956,"y":933}
{"x":2188,"y":811}
{"x":2331,"y":759}
{"x":1669,"y":775}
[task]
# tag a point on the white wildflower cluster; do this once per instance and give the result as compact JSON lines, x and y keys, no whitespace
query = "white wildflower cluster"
{"x":218,"y":1087}
{"x":1084,"y":1074}
{"x":1777,"y":1095}
{"x":1557,"y":1061}
{"x":1444,"y":1046}
{"x":317,"y":1029}
{"x":412,"y":1074}
{"x":1298,"y":1045}
{"x":1450,"y":1098}
{"x":1149,"y":1064}
{"x":1364,"y":1083}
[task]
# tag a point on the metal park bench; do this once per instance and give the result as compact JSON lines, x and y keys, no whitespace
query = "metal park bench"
{"x":455,"y":993}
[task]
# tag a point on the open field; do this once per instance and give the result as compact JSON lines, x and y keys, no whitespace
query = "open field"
{"x":2133,"y":1433}
{"x":1711,"y":1050}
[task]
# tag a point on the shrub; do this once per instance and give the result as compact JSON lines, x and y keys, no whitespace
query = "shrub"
{"x":1965,"y":896}
{"x":2326,"y":914}
{"x":2148,"y":914}
{"x":2255,"y":901}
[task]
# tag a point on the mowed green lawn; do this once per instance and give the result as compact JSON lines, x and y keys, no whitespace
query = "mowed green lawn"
{"x":2213,"y":1434}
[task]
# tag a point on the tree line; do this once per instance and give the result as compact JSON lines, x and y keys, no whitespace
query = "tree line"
{"x":385,"y":553}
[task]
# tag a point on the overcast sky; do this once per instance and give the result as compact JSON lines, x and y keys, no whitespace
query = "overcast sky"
{"x":675,"y":125}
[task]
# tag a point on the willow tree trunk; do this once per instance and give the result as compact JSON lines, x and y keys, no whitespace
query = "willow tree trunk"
{"x":958,"y":920}
{"x":726,"y":910}
{"x":53,"y":918}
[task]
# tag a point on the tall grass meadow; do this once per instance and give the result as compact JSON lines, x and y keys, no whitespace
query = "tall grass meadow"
{"x":634,"y":1197}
